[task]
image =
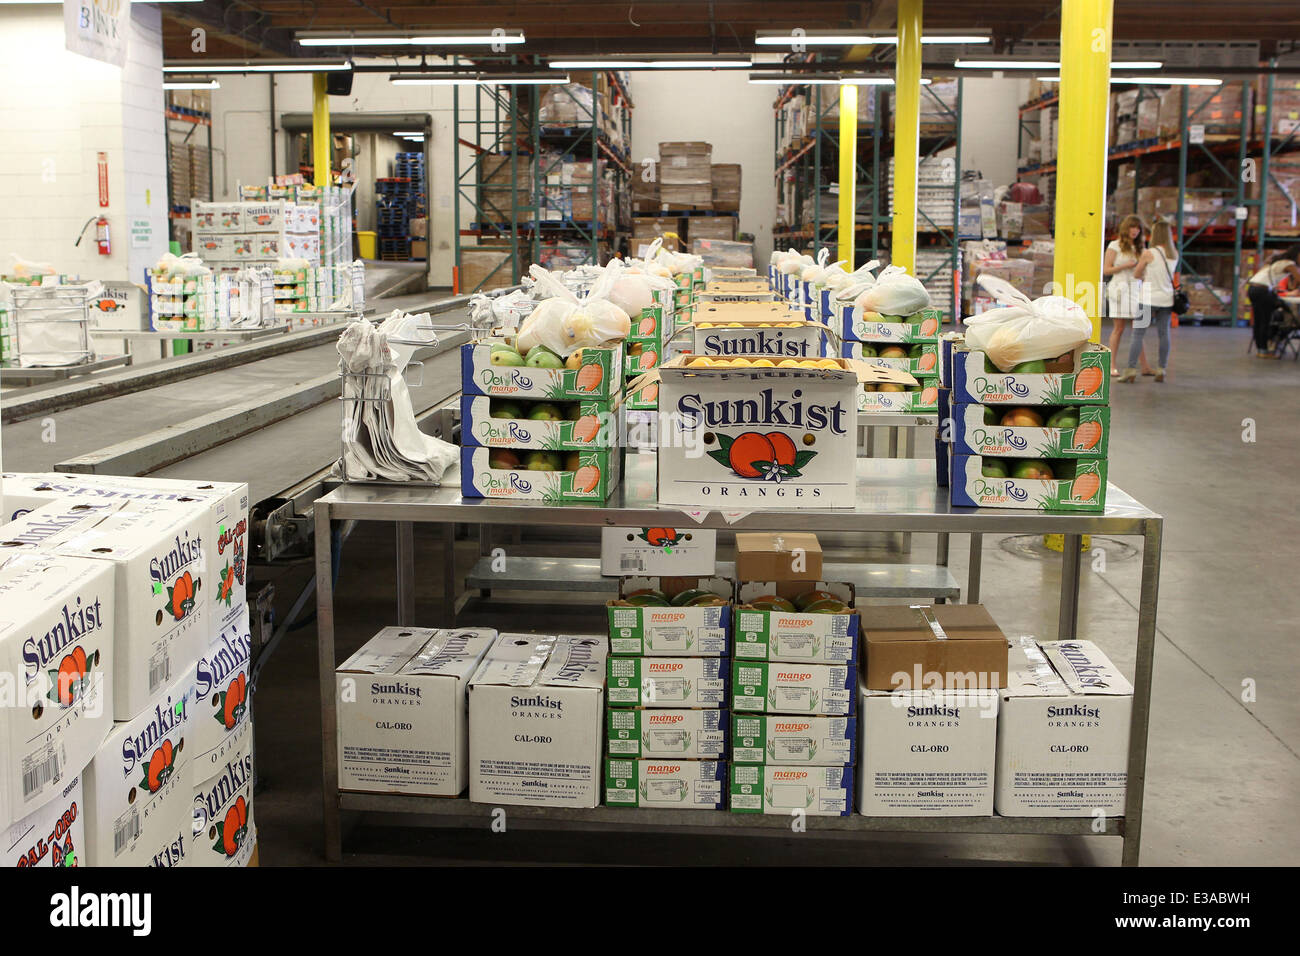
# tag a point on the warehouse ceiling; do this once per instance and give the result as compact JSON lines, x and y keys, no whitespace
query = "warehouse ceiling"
{"x":235,"y":28}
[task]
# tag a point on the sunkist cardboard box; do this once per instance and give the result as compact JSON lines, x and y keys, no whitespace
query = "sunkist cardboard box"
{"x":666,"y":784}
{"x":56,"y":645}
{"x":138,"y":787}
{"x":224,"y":833}
{"x":671,"y":552}
{"x":1063,"y":732}
{"x":222,"y":702}
{"x":535,"y":727}
{"x":403,"y":716}
{"x":53,"y":834}
{"x":159,"y":559}
{"x":932,"y":646}
{"x":927,"y":753}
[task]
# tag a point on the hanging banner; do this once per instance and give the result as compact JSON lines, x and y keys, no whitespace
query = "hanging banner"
{"x":97,"y":28}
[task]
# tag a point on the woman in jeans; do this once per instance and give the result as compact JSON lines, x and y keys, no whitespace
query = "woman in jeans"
{"x":1155,"y":269}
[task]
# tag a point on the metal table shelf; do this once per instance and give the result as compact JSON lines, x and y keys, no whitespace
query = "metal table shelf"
{"x":43,"y":374}
{"x":892,"y":495}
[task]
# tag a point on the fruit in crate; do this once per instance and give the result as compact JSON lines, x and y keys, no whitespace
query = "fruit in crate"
{"x":832,"y":606}
{"x":505,"y":356}
{"x":1064,"y":418}
{"x":990,"y":415}
{"x":771,"y":602}
{"x":868,"y":351}
{"x":572,"y":461}
{"x":646,"y":597}
{"x":893,"y":352}
{"x":503,"y":458}
{"x":1065,"y":470}
{"x":543,"y":461}
{"x":803,"y":601}
{"x":635,"y":349}
{"x":1034,"y":367}
{"x":574,"y":360}
{"x":708,"y":600}
{"x":545,"y":412}
{"x":572,"y":411}
{"x":541,"y":357}
{"x":890,"y":387}
{"x":504,"y":408}
{"x":1031,"y":469}
{"x":683,"y":598}
{"x":993,"y":468}
{"x":1022,"y":418}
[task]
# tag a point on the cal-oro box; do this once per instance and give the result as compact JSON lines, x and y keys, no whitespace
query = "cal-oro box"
{"x":221,"y":697}
{"x":666,"y":784}
{"x":673,"y":631}
{"x":1063,"y":733}
{"x":227,"y":504}
{"x":138,"y":789}
{"x":760,"y":437}
{"x":778,"y":556}
{"x":1063,"y":484}
{"x":673,"y":552}
{"x":919,"y":358}
{"x":1080,"y":378}
{"x":535,"y":728}
{"x":799,"y":635}
{"x":159,"y":554}
{"x":403,"y":714}
{"x":927,"y":753}
{"x":868,"y":326}
{"x":222,"y":810}
{"x":551,"y":476}
{"x":521,"y":423}
{"x":794,"y":739}
{"x":932,"y":646}
{"x":783,"y":789}
{"x":666,"y":732}
{"x":599,"y":376}
{"x":667,"y":681}
{"x":51,"y":835}
{"x":217,"y":216}
{"x":784,"y":688}
{"x":56,"y":646}
{"x":1081,"y":431}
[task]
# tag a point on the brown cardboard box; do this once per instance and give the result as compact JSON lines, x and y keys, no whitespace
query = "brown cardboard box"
{"x":772,"y":557}
{"x":1167,"y":124}
{"x":686,"y":164}
{"x":900,"y":641}
{"x":726,"y":187}
{"x":711,"y":227}
{"x":1148,"y":117}
{"x":419,"y":248}
{"x":670,"y":243}
{"x":685,"y":197}
{"x":658,"y":226}
{"x":477,"y":265}
{"x":420,"y":227}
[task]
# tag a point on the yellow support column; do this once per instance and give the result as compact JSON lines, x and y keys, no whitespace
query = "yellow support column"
{"x":321,"y":140}
{"x":1081,"y":153}
{"x":907,"y":134}
{"x":848,"y":172}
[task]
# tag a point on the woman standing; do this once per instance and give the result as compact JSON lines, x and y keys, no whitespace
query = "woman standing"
{"x":1264,"y":300}
{"x":1155,"y":269}
{"x":1122,"y":304}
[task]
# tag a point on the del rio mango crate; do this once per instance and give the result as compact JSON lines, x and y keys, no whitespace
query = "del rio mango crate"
{"x":757,"y":437}
{"x":552,"y":476}
{"x":666,"y":733}
{"x":1070,"y":431}
{"x":919,"y":358}
{"x":793,"y":739}
{"x":769,"y":788}
{"x":666,"y":784}
{"x":670,"y":617}
{"x":533,"y":423}
{"x":866,"y":326}
{"x":1060,"y":484}
{"x":778,"y":687}
{"x":921,"y":398}
{"x":1081,"y":377}
{"x":798,"y":621}
{"x":667,"y":681}
{"x":597,"y":374}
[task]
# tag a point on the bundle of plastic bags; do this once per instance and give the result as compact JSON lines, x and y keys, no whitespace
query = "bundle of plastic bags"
{"x":847,"y":286}
{"x":563,"y":323}
{"x":793,"y":263}
{"x":894,"y":292}
{"x":1025,"y":329}
{"x":633,"y":291}
{"x":487,"y":312}
{"x":675,"y":262}
{"x":178,"y":267}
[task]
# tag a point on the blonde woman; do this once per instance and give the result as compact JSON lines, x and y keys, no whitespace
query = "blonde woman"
{"x":1155,"y":269}
{"x":1122,"y":304}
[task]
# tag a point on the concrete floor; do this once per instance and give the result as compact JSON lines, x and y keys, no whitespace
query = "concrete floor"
{"x":1223,"y":769}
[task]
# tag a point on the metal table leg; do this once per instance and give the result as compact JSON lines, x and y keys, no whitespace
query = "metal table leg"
{"x":1146,"y":652}
{"x":405,"y":573}
{"x":326,"y":663}
{"x":973,"y":575}
{"x":1071,"y":562}
{"x":484,"y":550}
{"x":449,"y":583}
{"x":909,"y":441}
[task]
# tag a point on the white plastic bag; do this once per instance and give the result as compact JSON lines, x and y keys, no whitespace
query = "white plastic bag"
{"x":564,"y":323}
{"x":895,"y":293}
{"x":1025,"y":329}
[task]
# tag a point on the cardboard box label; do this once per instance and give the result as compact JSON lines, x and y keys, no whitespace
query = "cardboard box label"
{"x":222,"y":809}
{"x":666,"y":732}
{"x":672,"y":552}
{"x":786,"y":789}
{"x":667,"y":681}
{"x":783,"y":688}
{"x":676,"y":784}
{"x":827,"y":741}
{"x":221,"y":696}
{"x":52,"y":835}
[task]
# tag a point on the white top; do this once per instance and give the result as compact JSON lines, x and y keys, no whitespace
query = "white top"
{"x":1157,"y":280}
{"x":1272,"y":273}
{"x":1124,"y":261}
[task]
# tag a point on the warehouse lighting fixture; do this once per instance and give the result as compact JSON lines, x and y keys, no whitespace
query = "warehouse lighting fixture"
{"x":768,"y":38}
{"x":824,"y":79}
{"x":717,"y":63}
{"x":256,"y":66}
{"x":388,"y":39}
{"x":404,"y":133}
{"x":476,"y":79}
{"x":1046,"y":64}
{"x":1153,"y":80}
{"x":192,"y":85}
{"x":607,"y":63}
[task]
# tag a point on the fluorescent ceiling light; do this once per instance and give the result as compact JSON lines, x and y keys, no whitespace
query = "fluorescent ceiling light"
{"x":475,"y":79}
{"x":257,"y":66}
{"x":193,"y":85}
{"x":823,"y":79}
{"x":1152,"y":80}
{"x":606,"y":64}
{"x":718,"y":64}
{"x":850,"y":39}
{"x":873,"y":81}
{"x":1046,"y":64}
{"x":409,"y":132}
{"x":388,"y":39}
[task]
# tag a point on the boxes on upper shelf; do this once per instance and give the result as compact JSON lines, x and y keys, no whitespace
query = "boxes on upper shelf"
{"x":784,"y":556}
{"x":793,"y":739}
{"x":785,"y":688}
{"x":668,"y":681}
{"x":666,"y":784}
{"x":666,"y":732}
{"x":822,"y":629}
{"x":935,"y":646}
{"x":783,"y":789}
{"x":668,"y":552}
{"x":677,"y":630}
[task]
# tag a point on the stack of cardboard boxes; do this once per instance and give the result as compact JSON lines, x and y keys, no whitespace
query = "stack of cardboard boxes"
{"x":232,"y":235}
{"x":646,"y":344}
{"x":908,"y":343}
{"x":686,"y":175}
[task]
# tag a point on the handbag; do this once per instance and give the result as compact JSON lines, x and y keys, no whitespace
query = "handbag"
{"x":1181,"y":302}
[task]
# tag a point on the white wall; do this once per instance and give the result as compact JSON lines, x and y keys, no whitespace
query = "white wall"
{"x":57,"y":111}
{"x":989,"y":124}
{"x":723,"y":108}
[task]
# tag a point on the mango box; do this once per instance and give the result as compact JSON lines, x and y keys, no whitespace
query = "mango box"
{"x":798,"y":636}
{"x":919,"y":358}
{"x":508,"y":423}
{"x":922,"y":399}
{"x":137,"y":788}
{"x":594,"y":479}
{"x":785,"y":688}
{"x":226,"y":502}
{"x":667,"y":681}
{"x":57,"y":650}
{"x":222,"y":809}
{"x":642,"y":354}
{"x":787,"y":739}
{"x":599,"y":377}
{"x":670,"y":631}
{"x":53,"y":834}
{"x":1083,"y":379}
{"x":403,"y":721}
{"x":759,"y":437}
{"x":1083,"y":490}
{"x":783,"y":789}
{"x":666,"y":784}
{"x":643,"y":400}
{"x":670,"y":733}
{"x":975,"y":430}
{"x":221,"y":697}
{"x":651,"y":322}
{"x":674,"y":552}
{"x":159,"y":553}
{"x":867,"y":326}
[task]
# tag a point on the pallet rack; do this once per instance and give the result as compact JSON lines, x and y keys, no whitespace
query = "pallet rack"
{"x":182,"y":123}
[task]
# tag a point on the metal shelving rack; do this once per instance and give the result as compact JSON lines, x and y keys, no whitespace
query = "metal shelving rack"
{"x":893,"y":496}
{"x":1271,"y":145}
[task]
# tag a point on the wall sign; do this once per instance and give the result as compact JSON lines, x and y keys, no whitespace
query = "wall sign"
{"x":97,"y":28}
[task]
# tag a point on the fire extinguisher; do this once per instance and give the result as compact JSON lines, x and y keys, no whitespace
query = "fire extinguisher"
{"x":103,"y":245}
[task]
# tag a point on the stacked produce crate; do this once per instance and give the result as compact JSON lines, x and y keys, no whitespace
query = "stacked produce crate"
{"x":645,"y":345}
{"x":906,"y":342}
{"x":233,"y":235}
{"x":686,"y":175}
{"x":666,"y":714}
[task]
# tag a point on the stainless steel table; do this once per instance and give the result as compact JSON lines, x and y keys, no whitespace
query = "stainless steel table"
{"x":163,"y":340}
{"x":892,"y":495}
{"x":41,"y":374}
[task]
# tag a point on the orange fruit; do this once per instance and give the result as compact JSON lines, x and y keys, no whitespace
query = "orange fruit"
{"x":72,"y":671}
{"x":925,"y":362}
{"x":1088,"y":382}
{"x":159,"y":763}
{"x":1085,"y":486}
{"x":232,"y":827}
{"x":788,"y":363}
{"x":234,"y":700}
{"x":1087,"y":435}
{"x":585,"y":479}
{"x":828,"y":363}
{"x":586,"y":428}
{"x":763,"y":363}
{"x":589,"y":378}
